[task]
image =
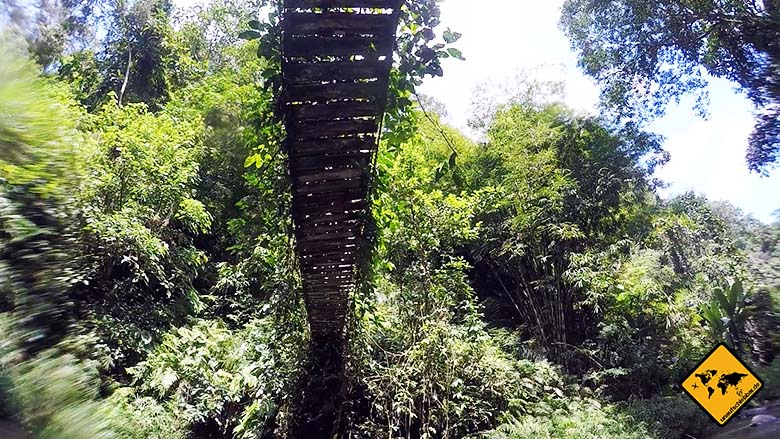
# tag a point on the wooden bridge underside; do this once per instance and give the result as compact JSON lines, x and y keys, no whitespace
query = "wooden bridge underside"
{"x":336,"y":60}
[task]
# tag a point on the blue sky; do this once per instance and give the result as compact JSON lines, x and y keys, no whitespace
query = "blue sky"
{"x":504,"y":37}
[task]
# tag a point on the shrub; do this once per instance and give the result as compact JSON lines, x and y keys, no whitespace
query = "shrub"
{"x":209,"y":373}
{"x":454,"y":381}
{"x":136,"y":417}
{"x":53,"y":395}
{"x":668,"y":417}
{"x":578,"y":419}
{"x":771,"y":376}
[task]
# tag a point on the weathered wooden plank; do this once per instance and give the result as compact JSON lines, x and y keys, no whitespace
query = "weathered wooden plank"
{"x":343,"y":281}
{"x":319,"y":47}
{"x":330,"y":218}
{"x":332,"y":202}
{"x":327,"y":307}
{"x":311,"y":272}
{"x":324,"y":283}
{"x":342,"y":145}
{"x":330,"y":264}
{"x":302,"y":73}
{"x":334,"y":208}
{"x":333,"y":273}
{"x":301,"y":164}
{"x":313,"y":249}
{"x":354,"y":226}
{"x":313,"y":252}
{"x":330,"y":284}
{"x":321,"y":220}
{"x":333,"y":254}
{"x":328,"y":235}
{"x":371,"y":91}
{"x":314,"y":176}
{"x":330,"y":328}
{"x":334,"y":315}
{"x":345,"y":278}
{"x":332,"y":128}
{"x":328,"y":294}
{"x":336,"y":202}
{"x":344,"y":274}
{"x":331,"y":268}
{"x":312,"y":269}
{"x":333,"y":110}
{"x":326,"y":327}
{"x":321,"y":247}
{"x":354,"y":230}
{"x":308,"y":4}
{"x":317,"y":217}
{"x":327,"y":229}
{"x":329,"y":186}
{"x":334,"y":23}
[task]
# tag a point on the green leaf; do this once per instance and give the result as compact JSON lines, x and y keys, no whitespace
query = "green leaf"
{"x":455,"y":53}
{"x":249,"y":35}
{"x":435,"y":69}
{"x":439,"y":173}
{"x":254,"y":24}
{"x":738,"y":292}
{"x":168,"y":379}
{"x":254,"y":159}
{"x":451,"y":37}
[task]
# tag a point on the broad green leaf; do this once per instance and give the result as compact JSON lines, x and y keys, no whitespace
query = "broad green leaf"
{"x":455,"y":53}
{"x":451,"y":37}
{"x":249,"y":35}
{"x":254,"y":159}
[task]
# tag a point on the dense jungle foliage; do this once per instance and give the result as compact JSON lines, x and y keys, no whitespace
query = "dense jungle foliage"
{"x":533,"y":285}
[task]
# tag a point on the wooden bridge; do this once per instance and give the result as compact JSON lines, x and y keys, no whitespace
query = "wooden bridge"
{"x":336,"y":60}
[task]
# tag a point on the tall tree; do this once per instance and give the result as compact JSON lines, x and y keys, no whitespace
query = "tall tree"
{"x":52,"y":27}
{"x":648,"y":53}
{"x":137,"y":54}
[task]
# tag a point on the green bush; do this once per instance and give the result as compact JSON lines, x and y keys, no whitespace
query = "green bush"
{"x":207,"y":372}
{"x":136,"y":417}
{"x":53,"y":395}
{"x":668,"y":417}
{"x":577,"y":419}
{"x":771,"y":377}
{"x":453,"y":381}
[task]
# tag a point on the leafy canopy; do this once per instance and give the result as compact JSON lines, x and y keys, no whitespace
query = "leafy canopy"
{"x":646,"y":54}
